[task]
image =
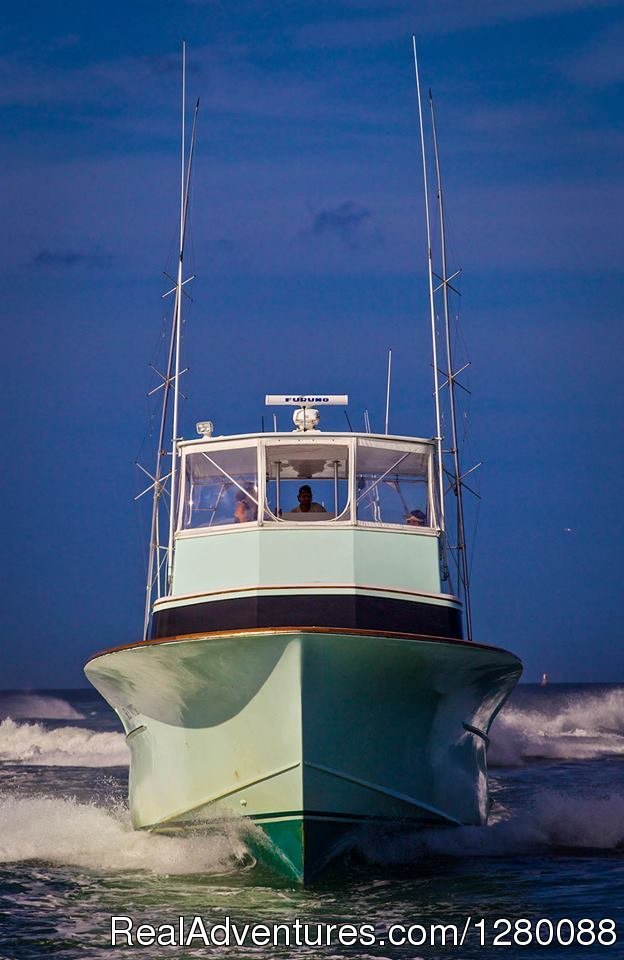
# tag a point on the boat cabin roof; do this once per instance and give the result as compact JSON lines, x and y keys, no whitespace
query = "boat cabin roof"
{"x":301,"y":436}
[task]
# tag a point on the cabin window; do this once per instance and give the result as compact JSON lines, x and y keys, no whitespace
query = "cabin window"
{"x":392,"y":484}
{"x":221,"y":487}
{"x":307,"y":482}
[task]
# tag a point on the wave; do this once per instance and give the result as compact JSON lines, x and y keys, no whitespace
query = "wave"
{"x":33,"y":706}
{"x":84,"y":835}
{"x":582,"y":728}
{"x":585,"y":727}
{"x":64,"y":831}
{"x":552,"y":822}
{"x":32,"y":744}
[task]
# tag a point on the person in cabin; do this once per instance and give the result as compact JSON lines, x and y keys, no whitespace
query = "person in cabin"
{"x":245,"y":511}
{"x":306,"y":503}
{"x":416,"y":518}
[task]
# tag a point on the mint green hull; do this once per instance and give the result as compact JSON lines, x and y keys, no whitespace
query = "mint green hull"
{"x":311,"y":734}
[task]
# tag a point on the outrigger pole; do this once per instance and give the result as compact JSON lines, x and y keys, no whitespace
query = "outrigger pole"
{"x":178,"y":332}
{"x":388,"y":389}
{"x":455,"y":475}
{"x":159,"y":553}
{"x":436,"y":384}
{"x":185,"y":182}
{"x":155,"y":560}
{"x":462,"y":558}
{"x":457,"y":485}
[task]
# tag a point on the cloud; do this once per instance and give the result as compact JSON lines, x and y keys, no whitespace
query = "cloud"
{"x":600,"y":64}
{"x":71,"y":258}
{"x":169,"y":63}
{"x":344,"y":219}
{"x":351,"y":24}
{"x":66,"y":42}
{"x":349,"y":222}
{"x":109,"y":85}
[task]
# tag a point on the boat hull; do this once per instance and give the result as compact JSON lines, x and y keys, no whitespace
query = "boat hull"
{"x":314,"y":734}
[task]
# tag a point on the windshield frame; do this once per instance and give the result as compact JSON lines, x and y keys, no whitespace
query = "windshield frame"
{"x":348,"y":516}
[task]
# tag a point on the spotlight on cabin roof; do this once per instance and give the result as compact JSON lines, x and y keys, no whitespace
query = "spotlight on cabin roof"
{"x":204,"y":428}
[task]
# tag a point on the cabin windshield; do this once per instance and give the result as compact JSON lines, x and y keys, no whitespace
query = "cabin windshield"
{"x":307,"y":482}
{"x":221,"y":486}
{"x":321,"y":479}
{"x":392,"y":484}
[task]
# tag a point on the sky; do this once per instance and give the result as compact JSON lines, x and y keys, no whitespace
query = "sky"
{"x":308,"y":243}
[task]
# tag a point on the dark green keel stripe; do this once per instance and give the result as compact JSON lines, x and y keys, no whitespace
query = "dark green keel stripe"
{"x":302,"y":846}
{"x":283,"y":850}
{"x":262,"y":818}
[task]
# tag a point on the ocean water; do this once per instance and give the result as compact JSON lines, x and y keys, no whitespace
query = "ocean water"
{"x":551,"y":857}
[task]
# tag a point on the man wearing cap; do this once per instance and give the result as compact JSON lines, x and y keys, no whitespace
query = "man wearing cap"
{"x":306,"y":503}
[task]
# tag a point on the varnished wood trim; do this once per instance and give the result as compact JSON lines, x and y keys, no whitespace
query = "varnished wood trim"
{"x":342,"y":631}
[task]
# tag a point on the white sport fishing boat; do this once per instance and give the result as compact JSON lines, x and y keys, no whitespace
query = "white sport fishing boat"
{"x":304,"y":662}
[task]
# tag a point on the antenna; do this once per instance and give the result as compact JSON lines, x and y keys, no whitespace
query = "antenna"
{"x":388,"y":389}
{"x":436,"y":384}
{"x":462,"y":558}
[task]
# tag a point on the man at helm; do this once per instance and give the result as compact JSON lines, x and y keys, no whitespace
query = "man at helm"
{"x":306,"y":503}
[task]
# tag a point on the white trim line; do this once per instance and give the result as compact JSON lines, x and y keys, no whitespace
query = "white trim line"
{"x":335,"y":524}
{"x":315,"y":588}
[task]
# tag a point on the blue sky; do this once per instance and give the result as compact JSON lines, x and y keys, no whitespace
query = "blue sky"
{"x":307,"y":238}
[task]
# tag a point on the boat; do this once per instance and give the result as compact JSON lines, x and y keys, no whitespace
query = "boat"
{"x":304,"y":661}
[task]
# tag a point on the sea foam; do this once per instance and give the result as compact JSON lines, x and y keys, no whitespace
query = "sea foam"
{"x":32,"y":744}
{"x":585,"y":727}
{"x":552,"y":822}
{"x":65,"y":831}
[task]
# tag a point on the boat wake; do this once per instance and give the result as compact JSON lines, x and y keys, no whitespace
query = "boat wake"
{"x":34,"y":706}
{"x":64,"y":831}
{"x":585,"y":727}
{"x":31,"y":743}
{"x":552,"y":822}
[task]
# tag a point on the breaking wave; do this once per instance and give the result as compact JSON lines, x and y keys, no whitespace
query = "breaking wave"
{"x":551,"y":822}
{"x":34,"y":706}
{"x":583,"y":728}
{"x":64,"y":831}
{"x":32,"y":744}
